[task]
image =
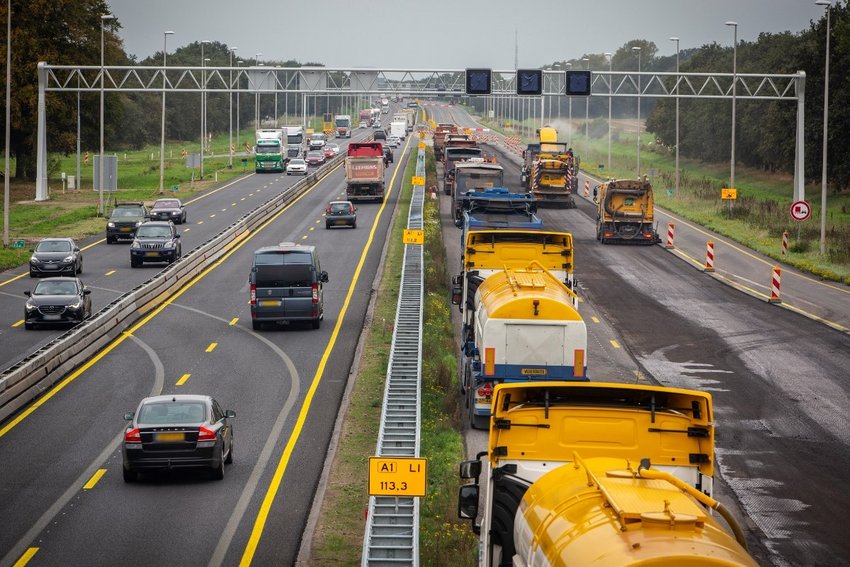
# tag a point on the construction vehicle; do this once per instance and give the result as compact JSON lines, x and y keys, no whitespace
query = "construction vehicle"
{"x":523,"y":326}
{"x":625,"y":212}
{"x":599,"y":474}
{"x":366,"y":116}
{"x":549,"y":170}
{"x":342,"y":126}
{"x":328,"y":124}
{"x":442,"y":130}
{"x":473,"y":175}
{"x":364,"y":172}
{"x":270,"y":154}
{"x":502,"y":232}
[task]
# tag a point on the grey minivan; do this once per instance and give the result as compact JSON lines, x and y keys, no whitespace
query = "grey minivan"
{"x":286,"y":285}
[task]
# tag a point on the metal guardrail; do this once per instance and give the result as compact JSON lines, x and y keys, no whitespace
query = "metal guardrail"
{"x":392,"y":530}
{"x":33,"y":375}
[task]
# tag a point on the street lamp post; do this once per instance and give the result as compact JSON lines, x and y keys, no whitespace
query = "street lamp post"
{"x":238,"y":110}
{"x":586,"y":116}
{"x":570,"y":128}
{"x":9,"y":123}
{"x":734,"y":26}
{"x":827,"y":4}
{"x":100,"y":209}
{"x":676,"y":39}
{"x":203,"y":103}
{"x":636,"y":49}
{"x":230,"y":147}
{"x":610,"y":57}
{"x":162,"y":127}
{"x":257,"y":96}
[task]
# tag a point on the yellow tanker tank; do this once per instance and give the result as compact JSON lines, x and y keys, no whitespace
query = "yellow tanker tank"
{"x":600,"y":512}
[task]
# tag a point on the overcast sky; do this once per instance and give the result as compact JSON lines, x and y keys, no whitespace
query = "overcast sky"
{"x":440,"y":34}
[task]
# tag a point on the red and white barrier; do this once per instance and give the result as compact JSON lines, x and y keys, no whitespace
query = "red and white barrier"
{"x":709,"y":256}
{"x":775,"y":286}
{"x":785,"y":243}
{"x":587,"y":188}
{"x":670,"y":234}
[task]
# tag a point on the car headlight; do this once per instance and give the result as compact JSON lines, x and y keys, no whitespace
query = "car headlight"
{"x":34,"y":260}
{"x":76,"y":305}
{"x":135,"y":244}
{"x":29,"y":306}
{"x":110,"y":224}
{"x":138,"y":223}
{"x":68,"y":259}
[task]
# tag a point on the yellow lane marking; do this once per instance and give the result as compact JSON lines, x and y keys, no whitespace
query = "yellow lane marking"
{"x":277,"y":478}
{"x":200,"y":222}
{"x":232,"y":204}
{"x":18,"y":323}
{"x":186,"y":229}
{"x":242,"y":199}
{"x":615,"y":344}
{"x":320,"y":220}
{"x":183,"y":379}
{"x":110,"y":272}
{"x":25,"y":558}
{"x":233,"y":321}
{"x":223,"y":210}
{"x":212,"y":216}
{"x":594,"y":319}
{"x":94,"y":478}
{"x":304,"y":237}
{"x":151,"y":314}
{"x":312,"y":228}
{"x":212,"y":347}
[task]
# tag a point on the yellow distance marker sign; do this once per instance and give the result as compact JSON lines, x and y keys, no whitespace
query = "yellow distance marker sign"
{"x":422,"y":146}
{"x":414,"y":236}
{"x":397,"y":476}
{"x":728,"y":193}
{"x":417,"y":180}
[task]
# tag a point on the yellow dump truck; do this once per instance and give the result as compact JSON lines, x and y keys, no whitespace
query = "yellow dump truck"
{"x":625,"y":212}
{"x":549,"y":170}
{"x":599,"y":474}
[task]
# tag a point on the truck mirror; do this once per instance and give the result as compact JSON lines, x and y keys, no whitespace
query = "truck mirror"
{"x":467,"y":502}
{"x":595,"y":191}
{"x":457,"y":280}
{"x":457,"y":292}
{"x":470,"y":469}
{"x":323,"y":277}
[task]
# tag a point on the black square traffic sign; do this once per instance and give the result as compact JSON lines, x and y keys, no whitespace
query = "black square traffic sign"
{"x":529,"y":82}
{"x":478,"y":81}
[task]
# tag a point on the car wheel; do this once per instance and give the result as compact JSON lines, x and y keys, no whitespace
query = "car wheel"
{"x":229,"y":459}
{"x":354,"y":224}
{"x":134,"y":263}
{"x":110,"y":240}
{"x":80,"y":269}
{"x":218,"y":471}
{"x":287,"y":173}
{"x":327,"y":225}
{"x":256,"y":325}
{"x":32,"y":274}
{"x":129,"y":475}
{"x":317,"y":322}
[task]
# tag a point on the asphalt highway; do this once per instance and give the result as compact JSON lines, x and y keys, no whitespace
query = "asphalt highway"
{"x":778,"y":379}
{"x":61,"y":493}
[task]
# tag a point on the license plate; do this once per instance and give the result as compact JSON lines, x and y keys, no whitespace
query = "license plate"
{"x":269,"y":303}
{"x":125,"y":230}
{"x":341,"y":222}
{"x":534,"y":372}
{"x":151,"y":254}
{"x":51,"y":317}
{"x":170,"y":437}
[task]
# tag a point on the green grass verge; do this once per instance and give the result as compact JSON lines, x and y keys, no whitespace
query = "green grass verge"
{"x":443,"y":539}
{"x":757,"y":218}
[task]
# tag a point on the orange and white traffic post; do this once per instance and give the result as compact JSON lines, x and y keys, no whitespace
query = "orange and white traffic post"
{"x":587,"y":188}
{"x":709,"y":256}
{"x":776,"y":286}
{"x":670,"y":233}
{"x":785,"y":243}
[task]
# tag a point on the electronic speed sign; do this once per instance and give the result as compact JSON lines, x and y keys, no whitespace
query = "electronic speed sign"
{"x":800,"y":210}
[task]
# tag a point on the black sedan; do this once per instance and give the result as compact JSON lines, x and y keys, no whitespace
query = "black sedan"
{"x":55,"y":257}
{"x":155,"y":241}
{"x":56,"y":301}
{"x":169,"y":210}
{"x":177,"y":432}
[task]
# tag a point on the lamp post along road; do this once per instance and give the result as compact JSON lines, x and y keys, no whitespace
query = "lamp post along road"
{"x":734,"y":26}
{"x":162,"y":131}
{"x":238,"y":109}
{"x":676,"y":39}
{"x":100,"y":208}
{"x":610,"y":57}
{"x":636,"y":49}
{"x":9,"y":123}
{"x":203,"y":102}
{"x":827,"y":5}
{"x":230,"y":147}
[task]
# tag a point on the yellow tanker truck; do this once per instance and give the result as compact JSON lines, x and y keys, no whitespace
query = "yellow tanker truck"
{"x":599,"y":474}
{"x":625,"y":212}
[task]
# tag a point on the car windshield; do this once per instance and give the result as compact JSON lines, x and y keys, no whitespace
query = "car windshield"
{"x":55,"y":288}
{"x":154,"y":232}
{"x":317,"y":137}
{"x":53,"y":246}
{"x":126,"y":213}
{"x":268,"y":150}
{"x":171,"y":413}
{"x":167,"y":204}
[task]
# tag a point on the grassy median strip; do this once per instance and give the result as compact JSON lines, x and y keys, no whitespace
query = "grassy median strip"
{"x":443,"y":540}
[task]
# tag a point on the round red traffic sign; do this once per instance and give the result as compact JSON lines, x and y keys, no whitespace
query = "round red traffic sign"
{"x":800,"y":210}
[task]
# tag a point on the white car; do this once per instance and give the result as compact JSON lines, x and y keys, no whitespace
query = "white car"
{"x":296,"y":166}
{"x":362,"y":125}
{"x":317,"y":141}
